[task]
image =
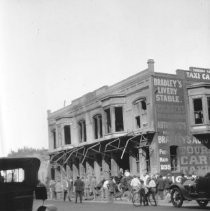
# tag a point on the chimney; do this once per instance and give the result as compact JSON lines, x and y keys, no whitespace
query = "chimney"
{"x":150,"y":63}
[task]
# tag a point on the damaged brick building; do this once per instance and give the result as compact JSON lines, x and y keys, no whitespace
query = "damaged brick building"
{"x":150,"y":122}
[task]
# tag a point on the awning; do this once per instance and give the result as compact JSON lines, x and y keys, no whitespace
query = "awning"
{"x":133,"y":139}
{"x":116,"y":144}
{"x":92,"y":148}
{"x":56,"y":156}
{"x":97,"y":148}
{"x":75,"y":150}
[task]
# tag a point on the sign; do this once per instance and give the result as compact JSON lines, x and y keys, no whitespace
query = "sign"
{"x":194,"y":156}
{"x":198,"y":74}
{"x":171,"y":117}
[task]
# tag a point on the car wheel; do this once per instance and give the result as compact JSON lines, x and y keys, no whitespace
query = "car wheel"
{"x":176,"y":197}
{"x":202,"y":203}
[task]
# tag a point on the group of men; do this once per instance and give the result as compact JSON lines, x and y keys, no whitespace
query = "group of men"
{"x":155,"y":184}
{"x":65,"y":188}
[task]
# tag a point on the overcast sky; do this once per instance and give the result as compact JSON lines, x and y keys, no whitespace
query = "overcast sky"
{"x":53,"y":51}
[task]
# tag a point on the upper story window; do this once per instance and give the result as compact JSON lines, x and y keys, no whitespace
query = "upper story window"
{"x":140,"y":112}
{"x":98,"y":132}
{"x":119,"y":126}
{"x":114,"y":119}
{"x":54,"y":139}
{"x":199,"y":107}
{"x":108,"y":120}
{"x":198,"y":111}
{"x":67,"y":134}
{"x":208,"y":104}
{"x":82,"y":131}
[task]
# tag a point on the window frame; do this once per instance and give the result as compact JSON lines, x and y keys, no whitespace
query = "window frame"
{"x":121,"y":121}
{"x":140,"y":110}
{"x":174,"y":167}
{"x":65,"y":141}
{"x":82,"y":131}
{"x":98,"y":126}
{"x":198,"y":114}
{"x":108,"y":124}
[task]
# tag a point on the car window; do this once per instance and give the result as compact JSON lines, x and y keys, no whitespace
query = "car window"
{"x":12,"y":175}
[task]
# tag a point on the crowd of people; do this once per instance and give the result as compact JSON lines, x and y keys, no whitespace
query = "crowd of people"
{"x":65,"y":188}
{"x":114,"y":187}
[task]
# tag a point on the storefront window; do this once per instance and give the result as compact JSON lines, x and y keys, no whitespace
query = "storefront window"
{"x":173,"y":157}
{"x":147,"y":158}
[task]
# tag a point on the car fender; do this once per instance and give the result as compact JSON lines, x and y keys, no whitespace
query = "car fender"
{"x":184,"y":192}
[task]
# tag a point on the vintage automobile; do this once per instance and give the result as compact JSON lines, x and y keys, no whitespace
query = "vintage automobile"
{"x":192,"y":189}
{"x":18,"y":184}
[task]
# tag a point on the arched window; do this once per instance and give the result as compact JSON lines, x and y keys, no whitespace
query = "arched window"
{"x":97,"y":121}
{"x":82,"y":131}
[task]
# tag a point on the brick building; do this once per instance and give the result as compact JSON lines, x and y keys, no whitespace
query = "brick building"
{"x":149,"y":122}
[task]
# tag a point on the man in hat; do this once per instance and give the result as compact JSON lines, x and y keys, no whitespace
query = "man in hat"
{"x":79,"y":189}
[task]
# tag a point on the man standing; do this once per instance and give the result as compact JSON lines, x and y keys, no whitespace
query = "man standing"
{"x":93,"y":186}
{"x":79,"y":189}
{"x":135,"y":183}
{"x":160,"y":186}
{"x":70,"y":188}
{"x":65,"y":189}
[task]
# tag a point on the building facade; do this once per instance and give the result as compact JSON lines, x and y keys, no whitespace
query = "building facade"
{"x":150,"y":122}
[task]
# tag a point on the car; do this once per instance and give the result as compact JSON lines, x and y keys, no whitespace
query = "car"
{"x":18,"y":184}
{"x":197,"y":189}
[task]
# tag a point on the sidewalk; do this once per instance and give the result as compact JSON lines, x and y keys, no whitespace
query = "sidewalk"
{"x":126,"y":201}
{"x":160,"y":202}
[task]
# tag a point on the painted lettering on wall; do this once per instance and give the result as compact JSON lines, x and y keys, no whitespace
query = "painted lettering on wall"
{"x":200,"y":74}
{"x":194,"y":156}
{"x":167,"y":90}
{"x":171,"y":121}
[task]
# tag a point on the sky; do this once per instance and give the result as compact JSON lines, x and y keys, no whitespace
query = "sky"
{"x":54,"y":51}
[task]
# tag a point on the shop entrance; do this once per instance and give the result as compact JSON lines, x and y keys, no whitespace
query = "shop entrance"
{"x":124,"y":162}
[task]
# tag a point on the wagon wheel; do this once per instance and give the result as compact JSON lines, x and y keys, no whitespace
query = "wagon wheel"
{"x":119,"y":187}
{"x":176,"y":197}
{"x":202,"y":203}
